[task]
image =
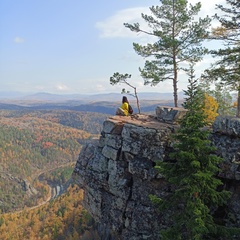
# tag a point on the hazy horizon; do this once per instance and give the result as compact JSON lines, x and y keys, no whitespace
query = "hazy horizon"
{"x":13,"y":95}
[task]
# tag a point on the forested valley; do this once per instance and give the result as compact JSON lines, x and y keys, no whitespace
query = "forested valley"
{"x":38,"y":151}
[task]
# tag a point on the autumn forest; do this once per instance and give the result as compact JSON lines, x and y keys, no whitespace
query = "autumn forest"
{"x":38,"y":151}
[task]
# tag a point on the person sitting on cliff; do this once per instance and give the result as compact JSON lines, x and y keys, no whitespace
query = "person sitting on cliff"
{"x":123,"y":110}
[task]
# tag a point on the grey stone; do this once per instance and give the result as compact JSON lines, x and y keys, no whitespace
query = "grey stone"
{"x":227,"y":125}
{"x":170,"y":114}
{"x":114,"y":141}
{"x":110,"y":152}
{"x":112,"y":127}
{"x":118,"y":175}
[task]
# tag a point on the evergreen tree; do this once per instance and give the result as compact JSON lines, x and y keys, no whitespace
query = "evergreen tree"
{"x":191,"y":172}
{"x":179,"y":38}
{"x":227,"y":68}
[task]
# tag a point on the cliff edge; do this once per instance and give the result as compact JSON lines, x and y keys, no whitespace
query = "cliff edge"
{"x":117,"y":172}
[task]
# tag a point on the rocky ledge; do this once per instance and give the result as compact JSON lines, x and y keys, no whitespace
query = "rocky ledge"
{"x":117,"y":172}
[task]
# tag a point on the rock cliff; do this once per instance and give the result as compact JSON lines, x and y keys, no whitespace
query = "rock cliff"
{"x":117,"y":172}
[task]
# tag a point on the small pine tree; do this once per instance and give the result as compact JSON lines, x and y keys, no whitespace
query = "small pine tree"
{"x":118,"y":78}
{"x":191,"y":173}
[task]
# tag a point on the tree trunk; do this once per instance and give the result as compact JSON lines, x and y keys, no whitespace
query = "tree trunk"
{"x":238,"y":104}
{"x":175,"y":93}
{"x":138,"y":105}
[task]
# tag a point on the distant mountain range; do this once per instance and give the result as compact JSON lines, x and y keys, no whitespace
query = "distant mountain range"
{"x":48,"y":97}
{"x":100,"y":103}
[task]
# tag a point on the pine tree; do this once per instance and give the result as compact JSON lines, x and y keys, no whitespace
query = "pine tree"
{"x":191,"y":172}
{"x":179,"y":38}
{"x":222,"y":94}
{"x":227,"y":68}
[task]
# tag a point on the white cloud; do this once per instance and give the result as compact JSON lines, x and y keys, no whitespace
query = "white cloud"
{"x":100,"y":88}
{"x":113,"y":26}
{"x":62,"y":87}
{"x":19,"y":40}
{"x":208,"y":7}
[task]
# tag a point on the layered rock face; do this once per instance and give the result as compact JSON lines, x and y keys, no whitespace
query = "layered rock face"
{"x":117,"y":172}
{"x":226,"y":137}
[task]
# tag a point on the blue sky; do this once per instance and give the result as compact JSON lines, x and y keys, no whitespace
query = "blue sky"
{"x":74,"y":46}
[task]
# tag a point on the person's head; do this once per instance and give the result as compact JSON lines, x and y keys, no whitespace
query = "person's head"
{"x":124,"y":99}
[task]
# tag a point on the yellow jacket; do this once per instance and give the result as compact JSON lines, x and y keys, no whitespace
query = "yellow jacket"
{"x":125,"y":108}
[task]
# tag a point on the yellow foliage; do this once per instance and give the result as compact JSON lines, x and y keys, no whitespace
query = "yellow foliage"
{"x":210,"y":108}
{"x":219,"y":31}
{"x":235,"y":104}
{"x":222,"y":32}
{"x":53,"y":220}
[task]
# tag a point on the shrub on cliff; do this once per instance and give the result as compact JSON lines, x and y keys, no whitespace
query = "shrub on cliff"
{"x":192,"y":171}
{"x":210,"y":108}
